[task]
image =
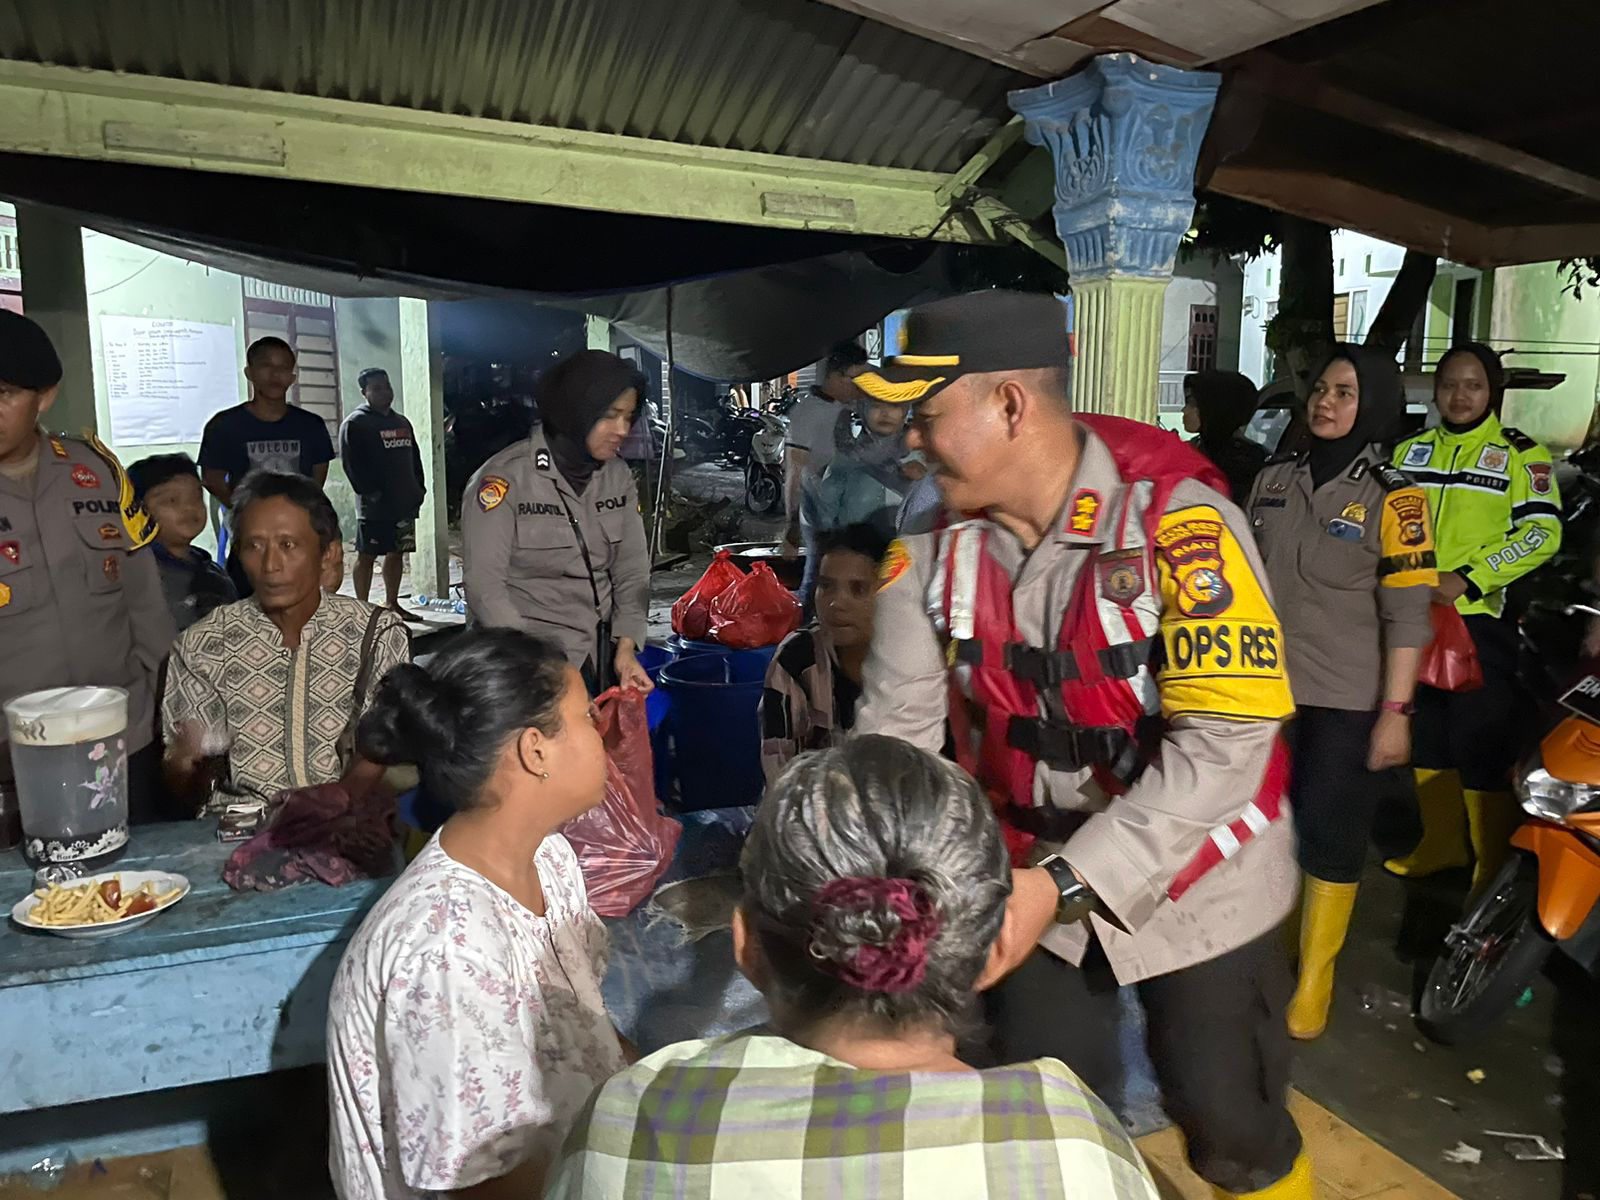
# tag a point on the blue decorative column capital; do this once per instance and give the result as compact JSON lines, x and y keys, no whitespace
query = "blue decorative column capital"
{"x":1124,"y":134}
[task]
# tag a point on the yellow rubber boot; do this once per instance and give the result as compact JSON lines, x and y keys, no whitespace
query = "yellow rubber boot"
{"x":1492,"y":817}
{"x":1296,"y":1185}
{"x":1323,"y":926}
{"x":1444,"y":828}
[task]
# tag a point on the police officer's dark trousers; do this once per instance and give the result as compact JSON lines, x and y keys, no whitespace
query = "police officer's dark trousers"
{"x":1215,"y":1034}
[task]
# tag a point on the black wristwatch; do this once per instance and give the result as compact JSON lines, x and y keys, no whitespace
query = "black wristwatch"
{"x":1076,"y":898}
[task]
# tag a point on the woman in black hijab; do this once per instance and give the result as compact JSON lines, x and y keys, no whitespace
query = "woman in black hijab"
{"x":1216,"y":406}
{"x":551,"y":532}
{"x":1348,"y":549}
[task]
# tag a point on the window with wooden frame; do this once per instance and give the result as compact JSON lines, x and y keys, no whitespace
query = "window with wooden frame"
{"x":1202,"y":337}
{"x":305,"y":320}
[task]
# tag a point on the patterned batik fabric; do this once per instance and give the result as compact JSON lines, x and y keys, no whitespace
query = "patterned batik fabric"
{"x":282,"y":710}
{"x":464,"y":1031}
{"x":757,"y":1115}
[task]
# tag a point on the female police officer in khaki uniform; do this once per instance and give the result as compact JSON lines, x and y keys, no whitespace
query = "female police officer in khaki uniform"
{"x":553,"y":540}
{"x":1348,"y":550}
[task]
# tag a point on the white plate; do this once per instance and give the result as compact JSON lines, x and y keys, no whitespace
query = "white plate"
{"x":164,"y":881}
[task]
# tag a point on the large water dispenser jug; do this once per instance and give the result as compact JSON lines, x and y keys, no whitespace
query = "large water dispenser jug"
{"x":69,"y":751}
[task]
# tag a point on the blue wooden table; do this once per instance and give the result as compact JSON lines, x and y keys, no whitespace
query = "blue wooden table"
{"x":224,"y":985}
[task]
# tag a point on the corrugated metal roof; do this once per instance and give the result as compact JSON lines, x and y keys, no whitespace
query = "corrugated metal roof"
{"x":790,"y":77}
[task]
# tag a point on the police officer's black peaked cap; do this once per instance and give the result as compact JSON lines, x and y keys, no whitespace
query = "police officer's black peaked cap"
{"x":977,"y":333}
{"x":27,"y":359}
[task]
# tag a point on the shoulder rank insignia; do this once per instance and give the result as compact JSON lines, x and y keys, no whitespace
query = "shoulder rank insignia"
{"x":1518,"y":439}
{"x":1391,"y":478}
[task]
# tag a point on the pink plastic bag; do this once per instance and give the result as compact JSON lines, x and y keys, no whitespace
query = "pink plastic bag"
{"x":756,"y":611}
{"x":691,"y":615}
{"x":624,"y":843}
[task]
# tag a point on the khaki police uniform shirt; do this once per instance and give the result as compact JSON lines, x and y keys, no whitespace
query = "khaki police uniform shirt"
{"x":1352,"y":568}
{"x":80,"y":592}
{"x":520,"y":524}
{"x":1223,"y":694}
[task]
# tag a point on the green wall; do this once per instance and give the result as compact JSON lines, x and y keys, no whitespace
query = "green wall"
{"x":1546,"y":328}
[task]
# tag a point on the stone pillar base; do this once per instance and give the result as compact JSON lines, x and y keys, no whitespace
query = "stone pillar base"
{"x":1118,"y":323}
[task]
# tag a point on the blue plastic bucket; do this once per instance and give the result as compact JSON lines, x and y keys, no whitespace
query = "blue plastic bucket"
{"x":714,"y":727}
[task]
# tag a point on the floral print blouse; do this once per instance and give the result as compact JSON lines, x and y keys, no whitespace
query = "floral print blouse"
{"x":464,"y":1032}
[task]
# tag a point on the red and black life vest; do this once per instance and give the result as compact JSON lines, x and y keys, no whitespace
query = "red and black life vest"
{"x":1097,"y":684}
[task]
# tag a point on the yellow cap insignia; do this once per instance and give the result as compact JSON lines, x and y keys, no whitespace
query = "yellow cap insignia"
{"x":5,"y":595}
{"x":895,"y":564}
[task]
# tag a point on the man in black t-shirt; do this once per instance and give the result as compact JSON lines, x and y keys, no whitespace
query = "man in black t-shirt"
{"x":384,"y":465}
{"x":266,"y":432}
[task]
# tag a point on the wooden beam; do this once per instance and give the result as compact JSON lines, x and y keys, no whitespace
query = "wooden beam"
{"x":1007,"y":136}
{"x":1347,"y":205}
{"x":105,"y":116}
{"x":1107,"y":35}
{"x":1298,"y":85}
{"x":996,"y":216}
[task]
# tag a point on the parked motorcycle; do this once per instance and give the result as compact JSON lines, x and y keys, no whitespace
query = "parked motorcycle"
{"x":763,"y":470}
{"x":1547,"y":897}
{"x":722,"y":437}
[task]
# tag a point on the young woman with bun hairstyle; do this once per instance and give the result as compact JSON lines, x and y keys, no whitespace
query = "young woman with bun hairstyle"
{"x":874,"y":910}
{"x":465,"y":1026}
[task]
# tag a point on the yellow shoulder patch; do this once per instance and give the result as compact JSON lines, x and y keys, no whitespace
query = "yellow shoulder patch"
{"x":1405,"y":539}
{"x":896,"y":562}
{"x":1223,"y":642}
{"x":136,"y":519}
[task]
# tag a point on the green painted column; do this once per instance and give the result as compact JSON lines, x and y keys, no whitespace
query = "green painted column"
{"x":1118,"y":320}
{"x":1124,"y":135}
{"x":50,"y":246}
{"x":422,"y":385}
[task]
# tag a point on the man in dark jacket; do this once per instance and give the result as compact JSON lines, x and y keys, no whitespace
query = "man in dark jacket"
{"x":384,"y":466}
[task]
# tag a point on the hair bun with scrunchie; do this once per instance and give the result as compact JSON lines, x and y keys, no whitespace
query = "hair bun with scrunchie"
{"x":873,"y":933}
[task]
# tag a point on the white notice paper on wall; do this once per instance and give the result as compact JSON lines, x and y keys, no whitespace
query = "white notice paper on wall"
{"x":165,"y":378}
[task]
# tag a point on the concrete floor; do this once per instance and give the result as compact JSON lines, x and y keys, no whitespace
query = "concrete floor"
{"x":1541,"y":1066}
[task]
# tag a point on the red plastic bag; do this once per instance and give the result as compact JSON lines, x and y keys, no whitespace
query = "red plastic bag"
{"x":624,"y":843}
{"x":691,"y":615}
{"x":1450,"y":662}
{"x":756,"y":611}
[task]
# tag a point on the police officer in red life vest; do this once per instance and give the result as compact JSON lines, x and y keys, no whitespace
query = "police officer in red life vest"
{"x":1091,"y":621}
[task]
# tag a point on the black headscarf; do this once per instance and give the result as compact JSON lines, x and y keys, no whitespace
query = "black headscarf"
{"x":573,"y":395}
{"x":1380,"y":402}
{"x":1225,"y":399}
{"x":1492,"y":368}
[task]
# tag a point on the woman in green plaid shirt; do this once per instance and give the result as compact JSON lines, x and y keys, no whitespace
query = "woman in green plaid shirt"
{"x":876,"y":885}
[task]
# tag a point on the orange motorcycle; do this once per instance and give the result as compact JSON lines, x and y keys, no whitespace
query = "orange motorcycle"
{"x":1545,"y":898}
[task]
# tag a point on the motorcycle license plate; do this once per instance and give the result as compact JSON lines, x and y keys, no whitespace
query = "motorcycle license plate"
{"x":1584,"y":698}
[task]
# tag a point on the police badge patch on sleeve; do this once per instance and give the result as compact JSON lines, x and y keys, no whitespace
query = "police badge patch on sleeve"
{"x":491,"y":492}
{"x":1539,"y":478}
{"x":1194,"y":548}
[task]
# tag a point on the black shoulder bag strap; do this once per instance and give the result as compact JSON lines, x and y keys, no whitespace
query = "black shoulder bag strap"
{"x":346,"y":745}
{"x":605,"y":672}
